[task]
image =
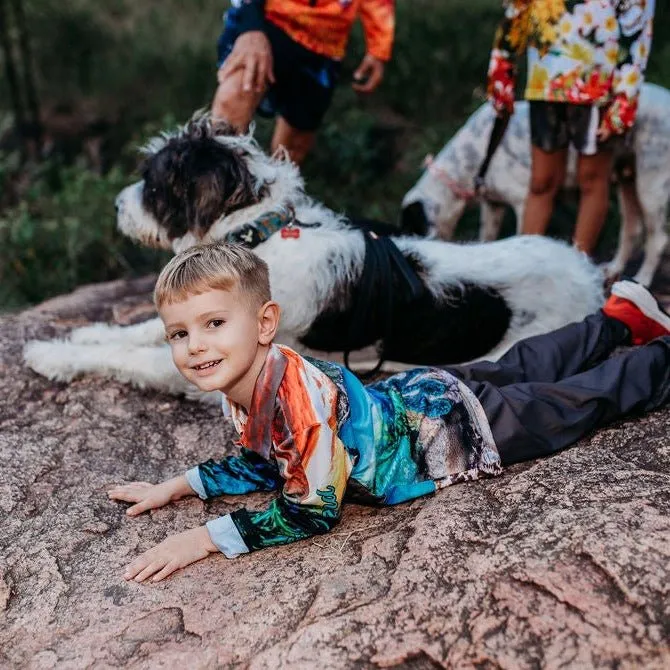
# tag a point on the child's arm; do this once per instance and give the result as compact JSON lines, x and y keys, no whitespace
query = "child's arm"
{"x":635,"y":24}
{"x":501,"y":76}
{"x":315,"y":467}
{"x":251,"y":52}
{"x":151,"y":496}
{"x":378,"y":19}
{"x":234,"y":474}
{"x":246,"y":473}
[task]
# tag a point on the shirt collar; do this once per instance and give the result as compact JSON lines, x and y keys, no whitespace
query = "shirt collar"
{"x":255,"y":427}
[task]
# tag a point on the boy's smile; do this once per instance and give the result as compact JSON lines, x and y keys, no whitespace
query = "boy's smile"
{"x":219,"y":341}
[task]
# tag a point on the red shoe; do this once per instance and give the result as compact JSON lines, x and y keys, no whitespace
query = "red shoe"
{"x":633,"y":305}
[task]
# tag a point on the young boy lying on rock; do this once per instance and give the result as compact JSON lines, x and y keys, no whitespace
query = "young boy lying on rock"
{"x":312,"y":431}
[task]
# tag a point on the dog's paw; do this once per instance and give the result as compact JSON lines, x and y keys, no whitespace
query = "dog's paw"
{"x":644,"y":276}
{"x":46,"y":359}
{"x":611,"y":272}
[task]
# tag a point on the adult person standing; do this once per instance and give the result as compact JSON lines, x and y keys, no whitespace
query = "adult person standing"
{"x":586,"y":63}
{"x":283,"y":57}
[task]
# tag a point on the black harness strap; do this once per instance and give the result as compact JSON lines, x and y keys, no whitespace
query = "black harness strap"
{"x":383,"y":263}
{"x":384,"y":269}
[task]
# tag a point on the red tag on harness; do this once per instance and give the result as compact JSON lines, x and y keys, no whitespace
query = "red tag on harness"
{"x":290,"y":233}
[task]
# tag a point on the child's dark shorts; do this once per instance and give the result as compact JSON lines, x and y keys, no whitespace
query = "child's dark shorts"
{"x":304,"y":80}
{"x":555,"y":125}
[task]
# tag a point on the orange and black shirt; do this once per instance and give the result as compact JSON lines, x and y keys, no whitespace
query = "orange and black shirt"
{"x":323,"y":26}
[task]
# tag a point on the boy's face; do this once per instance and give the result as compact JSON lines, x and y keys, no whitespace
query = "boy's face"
{"x":217,"y":340}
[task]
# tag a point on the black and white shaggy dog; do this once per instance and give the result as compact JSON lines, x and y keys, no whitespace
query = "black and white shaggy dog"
{"x":339,"y":286}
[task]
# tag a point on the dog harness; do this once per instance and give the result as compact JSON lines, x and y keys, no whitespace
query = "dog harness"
{"x":387,"y":277}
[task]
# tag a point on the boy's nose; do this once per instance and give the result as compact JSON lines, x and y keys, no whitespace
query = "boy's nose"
{"x":195,"y":345}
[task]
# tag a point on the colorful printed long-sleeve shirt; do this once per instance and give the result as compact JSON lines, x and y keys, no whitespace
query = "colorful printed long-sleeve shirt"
{"x":324,"y":26}
{"x":579,"y":51}
{"x":315,"y":433}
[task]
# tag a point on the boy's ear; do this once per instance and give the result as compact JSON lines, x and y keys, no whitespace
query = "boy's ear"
{"x":268,"y":322}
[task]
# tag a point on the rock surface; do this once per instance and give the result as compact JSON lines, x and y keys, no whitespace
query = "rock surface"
{"x":563,"y":562}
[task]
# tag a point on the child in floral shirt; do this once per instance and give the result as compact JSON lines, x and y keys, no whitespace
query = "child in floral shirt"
{"x":586,"y":62}
{"x":311,"y":431}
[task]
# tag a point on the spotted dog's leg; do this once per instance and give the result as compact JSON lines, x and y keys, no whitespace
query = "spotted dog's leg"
{"x":655,"y":243}
{"x":491,"y":218}
{"x":631,"y":215}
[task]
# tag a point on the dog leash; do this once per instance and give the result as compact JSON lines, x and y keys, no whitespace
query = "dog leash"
{"x":497,"y":133}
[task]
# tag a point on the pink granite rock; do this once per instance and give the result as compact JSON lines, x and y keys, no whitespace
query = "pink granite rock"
{"x":563,"y":562}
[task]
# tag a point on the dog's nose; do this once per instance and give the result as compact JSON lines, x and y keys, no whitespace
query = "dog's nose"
{"x":118,"y":204}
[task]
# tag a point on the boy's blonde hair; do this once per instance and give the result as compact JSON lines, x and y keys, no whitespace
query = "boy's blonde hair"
{"x":213,"y":266}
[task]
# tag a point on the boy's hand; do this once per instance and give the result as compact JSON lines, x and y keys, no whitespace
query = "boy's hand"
{"x":368,"y":75}
{"x":176,"y":551}
{"x":251,"y":53}
{"x":150,"y":496}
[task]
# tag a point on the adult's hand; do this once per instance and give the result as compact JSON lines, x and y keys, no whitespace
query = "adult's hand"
{"x":368,"y":75}
{"x":252,"y":54}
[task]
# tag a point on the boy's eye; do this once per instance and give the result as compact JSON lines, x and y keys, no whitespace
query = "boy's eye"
{"x":215,"y":323}
{"x":177,"y":335}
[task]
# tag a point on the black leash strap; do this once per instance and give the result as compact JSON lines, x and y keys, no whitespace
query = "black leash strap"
{"x":497,"y":133}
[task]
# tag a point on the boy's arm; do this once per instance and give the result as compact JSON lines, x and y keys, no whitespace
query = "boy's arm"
{"x":315,"y":466}
{"x":233,"y":475}
{"x":501,"y":76}
{"x":635,"y":25}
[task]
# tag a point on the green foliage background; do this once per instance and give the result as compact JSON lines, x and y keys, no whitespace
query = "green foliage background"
{"x":147,"y":65}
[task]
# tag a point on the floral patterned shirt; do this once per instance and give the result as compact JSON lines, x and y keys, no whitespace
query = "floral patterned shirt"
{"x":579,"y":51}
{"x":323,"y":27}
{"x":315,"y":433}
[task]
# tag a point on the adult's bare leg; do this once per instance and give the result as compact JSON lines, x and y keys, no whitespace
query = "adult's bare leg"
{"x":593,"y":177}
{"x":546,"y":178}
{"x":298,"y":143}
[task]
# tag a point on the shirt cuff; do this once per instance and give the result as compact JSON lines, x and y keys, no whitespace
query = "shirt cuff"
{"x":194,"y":481}
{"x":226,"y":537}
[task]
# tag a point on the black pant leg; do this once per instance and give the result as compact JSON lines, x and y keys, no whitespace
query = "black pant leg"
{"x":551,"y":356}
{"x":535,"y":419}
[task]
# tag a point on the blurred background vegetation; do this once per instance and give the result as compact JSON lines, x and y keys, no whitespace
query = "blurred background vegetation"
{"x":102,"y":77}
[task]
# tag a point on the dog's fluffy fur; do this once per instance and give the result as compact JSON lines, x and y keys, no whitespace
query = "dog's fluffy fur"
{"x":437,"y":201}
{"x":203,"y":181}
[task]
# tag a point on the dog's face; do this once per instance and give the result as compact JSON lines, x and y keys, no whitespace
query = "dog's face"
{"x":190,"y":181}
